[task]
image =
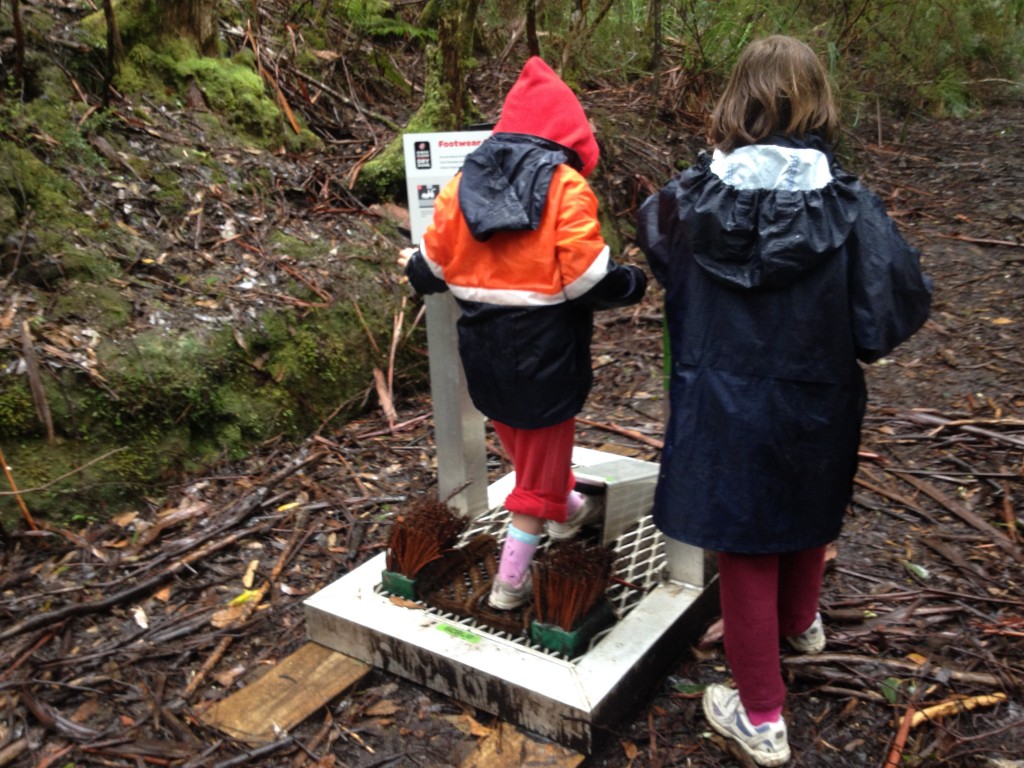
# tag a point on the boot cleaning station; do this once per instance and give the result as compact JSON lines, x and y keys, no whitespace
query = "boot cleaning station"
{"x":657,"y":593}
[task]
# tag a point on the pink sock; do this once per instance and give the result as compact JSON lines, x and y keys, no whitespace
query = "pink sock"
{"x":516,"y":554}
{"x":768,"y":716}
{"x":573,"y":503}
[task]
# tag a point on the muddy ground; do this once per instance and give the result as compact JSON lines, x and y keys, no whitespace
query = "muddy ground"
{"x":114,"y":638}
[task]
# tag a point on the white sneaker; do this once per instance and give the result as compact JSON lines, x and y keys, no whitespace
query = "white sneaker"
{"x":812,"y":640}
{"x":506,"y":597}
{"x":591,"y":511}
{"x":766,"y":744}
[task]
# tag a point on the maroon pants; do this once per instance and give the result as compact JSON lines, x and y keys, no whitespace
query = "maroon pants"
{"x":765,"y":597}
{"x":542,"y":459}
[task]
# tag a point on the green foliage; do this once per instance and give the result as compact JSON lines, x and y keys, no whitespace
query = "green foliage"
{"x":232,"y":87}
{"x":941,"y":56}
{"x":178,"y":402}
{"x":93,"y":302}
{"x":376,"y":19}
{"x":946,"y":56}
{"x":17,"y":413}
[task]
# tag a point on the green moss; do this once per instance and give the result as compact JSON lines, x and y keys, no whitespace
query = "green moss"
{"x":118,"y":478}
{"x":171,"y":193}
{"x":88,"y":264}
{"x":93,"y":303}
{"x":232,"y":87}
{"x":137,"y":21}
{"x":17,"y":412}
{"x":324,"y":358}
{"x":8,"y":216}
{"x":178,"y":403}
{"x":383,"y":178}
{"x":33,"y":187}
{"x":285,"y":244}
{"x":236,"y":91}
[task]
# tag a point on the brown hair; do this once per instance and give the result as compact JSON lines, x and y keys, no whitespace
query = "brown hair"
{"x":778,"y":86}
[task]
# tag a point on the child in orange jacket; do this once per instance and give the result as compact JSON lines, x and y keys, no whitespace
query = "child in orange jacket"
{"x":516,"y":238}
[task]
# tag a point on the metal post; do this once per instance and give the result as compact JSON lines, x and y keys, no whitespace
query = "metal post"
{"x":686,"y":563}
{"x":458,"y":426}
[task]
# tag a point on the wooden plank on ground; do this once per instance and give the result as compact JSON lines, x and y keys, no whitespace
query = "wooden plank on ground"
{"x":286,"y":695}
{"x":509,"y":747}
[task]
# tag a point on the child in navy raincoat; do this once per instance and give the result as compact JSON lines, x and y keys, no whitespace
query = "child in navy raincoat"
{"x":782,"y":274}
{"x":516,"y":238}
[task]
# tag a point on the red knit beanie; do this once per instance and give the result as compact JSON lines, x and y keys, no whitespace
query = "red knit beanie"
{"x":541,"y":104}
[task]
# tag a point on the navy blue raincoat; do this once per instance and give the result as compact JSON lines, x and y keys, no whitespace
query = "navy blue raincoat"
{"x":781,"y":272}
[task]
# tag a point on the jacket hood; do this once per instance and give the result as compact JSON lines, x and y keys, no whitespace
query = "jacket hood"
{"x":505,"y":182}
{"x":766,"y":213}
{"x":541,"y":104}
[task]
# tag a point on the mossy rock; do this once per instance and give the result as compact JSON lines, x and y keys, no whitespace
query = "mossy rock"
{"x":165,"y":405}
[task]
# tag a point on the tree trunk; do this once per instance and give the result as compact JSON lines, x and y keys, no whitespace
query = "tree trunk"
{"x":455,"y":21}
{"x":19,"y":47}
{"x":654,"y":23}
{"x":532,"y":41}
{"x":195,"y":20}
{"x":115,"y":50}
{"x":581,"y":30}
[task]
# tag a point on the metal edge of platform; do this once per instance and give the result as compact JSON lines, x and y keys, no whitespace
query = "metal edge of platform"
{"x":562,"y":700}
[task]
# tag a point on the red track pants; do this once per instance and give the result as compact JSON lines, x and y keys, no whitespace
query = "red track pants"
{"x":542,"y":459}
{"x":765,"y":597}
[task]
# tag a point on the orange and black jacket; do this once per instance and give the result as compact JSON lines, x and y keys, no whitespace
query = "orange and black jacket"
{"x":515,"y":237}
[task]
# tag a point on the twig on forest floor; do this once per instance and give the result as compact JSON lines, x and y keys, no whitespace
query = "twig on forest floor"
{"x":998,"y":538}
{"x":982,"y":240}
{"x":630,"y":433}
{"x":823,"y":660}
{"x":954,"y":706}
{"x":967,"y":425}
{"x":198,"y":548}
{"x":29,"y":520}
{"x":896,"y":751}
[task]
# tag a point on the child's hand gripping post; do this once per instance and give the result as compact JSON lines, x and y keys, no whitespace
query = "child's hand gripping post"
{"x":403,"y":258}
{"x":404,"y":255}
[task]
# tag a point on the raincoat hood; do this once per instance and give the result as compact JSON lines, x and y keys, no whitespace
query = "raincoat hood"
{"x":505,"y":181}
{"x":765,"y":214}
{"x":541,"y":104}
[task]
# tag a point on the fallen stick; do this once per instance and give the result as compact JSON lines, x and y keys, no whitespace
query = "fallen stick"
{"x":896,"y":752}
{"x":241,"y":510}
{"x":954,"y":706}
{"x":129,"y":593}
{"x":853,"y":693}
{"x":997,"y":537}
{"x":47,"y":637}
{"x":967,"y":425}
{"x":898,"y":498}
{"x":247,"y":757}
{"x":983,"y":241}
{"x":824,"y":659}
{"x":10,"y":752}
{"x":29,"y":520}
{"x":631,"y":433}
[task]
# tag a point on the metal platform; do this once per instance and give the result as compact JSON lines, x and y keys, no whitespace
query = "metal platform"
{"x":656,"y":592}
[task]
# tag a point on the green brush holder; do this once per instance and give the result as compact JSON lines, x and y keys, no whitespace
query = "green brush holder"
{"x":572,"y":643}
{"x":398,"y":584}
